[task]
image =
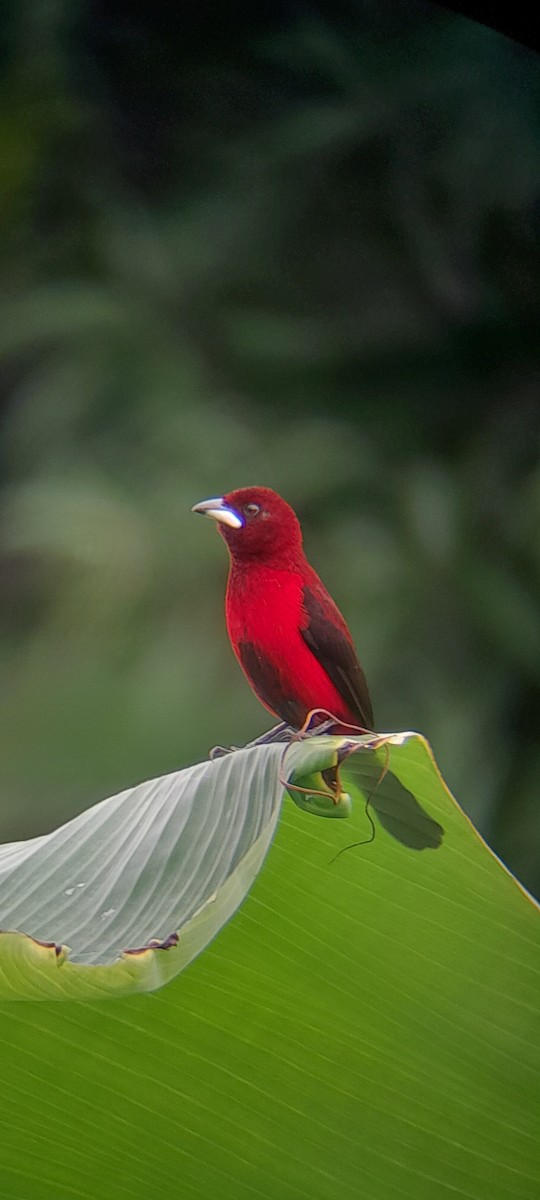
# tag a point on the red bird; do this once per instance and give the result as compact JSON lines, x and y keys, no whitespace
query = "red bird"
{"x":286,"y":632}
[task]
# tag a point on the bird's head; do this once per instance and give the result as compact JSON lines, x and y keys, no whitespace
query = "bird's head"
{"x":256,"y":524}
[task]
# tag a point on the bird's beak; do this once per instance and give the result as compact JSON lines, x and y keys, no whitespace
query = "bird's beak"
{"x":218,"y":510}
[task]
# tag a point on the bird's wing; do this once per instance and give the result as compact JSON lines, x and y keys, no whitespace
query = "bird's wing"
{"x":327,"y":637}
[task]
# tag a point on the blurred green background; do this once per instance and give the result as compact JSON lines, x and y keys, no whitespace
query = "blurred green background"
{"x":291,"y":245}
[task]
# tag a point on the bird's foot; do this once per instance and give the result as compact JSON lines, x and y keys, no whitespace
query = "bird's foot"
{"x":316,"y":730}
{"x":278,"y":733}
{"x":221,"y":751}
{"x":281,"y":733}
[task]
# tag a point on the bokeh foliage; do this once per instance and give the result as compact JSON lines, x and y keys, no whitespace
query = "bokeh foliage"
{"x":298,"y":247}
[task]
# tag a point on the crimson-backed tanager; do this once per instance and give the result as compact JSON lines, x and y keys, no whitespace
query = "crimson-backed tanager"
{"x":288,"y":635}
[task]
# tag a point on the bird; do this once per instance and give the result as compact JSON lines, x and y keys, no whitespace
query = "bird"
{"x":289,"y":637}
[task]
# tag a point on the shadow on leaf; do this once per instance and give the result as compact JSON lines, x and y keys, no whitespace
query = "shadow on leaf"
{"x":404,"y":818}
{"x":398,"y":811}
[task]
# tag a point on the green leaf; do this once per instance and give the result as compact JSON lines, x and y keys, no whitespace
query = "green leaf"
{"x":362,"y":1028}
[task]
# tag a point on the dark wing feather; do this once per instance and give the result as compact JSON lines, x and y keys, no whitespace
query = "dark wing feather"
{"x":267,"y":685}
{"x":331,"y":646}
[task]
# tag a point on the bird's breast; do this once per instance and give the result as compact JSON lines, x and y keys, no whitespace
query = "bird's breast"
{"x":265,"y":607}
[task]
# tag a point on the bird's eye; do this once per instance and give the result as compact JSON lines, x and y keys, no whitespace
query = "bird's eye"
{"x":251,"y":510}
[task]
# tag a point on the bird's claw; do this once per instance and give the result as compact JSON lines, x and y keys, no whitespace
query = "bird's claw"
{"x":277,"y":734}
{"x":221,"y":751}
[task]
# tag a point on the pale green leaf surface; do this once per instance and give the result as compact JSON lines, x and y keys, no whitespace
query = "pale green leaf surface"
{"x":80,"y":906}
{"x":367,"y":1028}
